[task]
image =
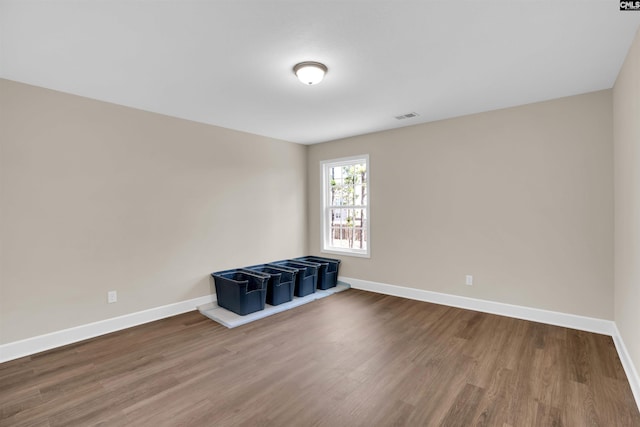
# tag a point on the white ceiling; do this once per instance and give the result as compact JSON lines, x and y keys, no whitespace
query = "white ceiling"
{"x":229,"y":62}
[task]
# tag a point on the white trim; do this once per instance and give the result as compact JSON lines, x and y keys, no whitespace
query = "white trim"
{"x":350,"y":253}
{"x":583,"y":323}
{"x":26,"y":347}
{"x":324,"y":248}
{"x":589,"y":324}
{"x":343,"y":161}
{"x":627,"y":364}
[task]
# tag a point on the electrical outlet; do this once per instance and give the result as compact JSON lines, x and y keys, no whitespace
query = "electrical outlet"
{"x":112,"y":296}
{"x":469,"y":281}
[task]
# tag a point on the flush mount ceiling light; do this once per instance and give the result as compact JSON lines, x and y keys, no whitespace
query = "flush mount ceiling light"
{"x":310,"y":73}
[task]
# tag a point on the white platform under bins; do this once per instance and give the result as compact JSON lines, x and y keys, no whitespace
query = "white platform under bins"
{"x":229,"y":319}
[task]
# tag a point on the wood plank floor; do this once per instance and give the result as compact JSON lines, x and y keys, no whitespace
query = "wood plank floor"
{"x":354,"y":359}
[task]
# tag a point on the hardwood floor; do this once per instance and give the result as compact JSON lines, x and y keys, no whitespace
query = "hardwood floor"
{"x":354,"y":359}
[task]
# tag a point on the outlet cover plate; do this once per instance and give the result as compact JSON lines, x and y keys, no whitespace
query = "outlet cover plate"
{"x":112,"y":296}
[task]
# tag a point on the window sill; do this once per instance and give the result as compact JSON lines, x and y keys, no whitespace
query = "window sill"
{"x":346,"y":253}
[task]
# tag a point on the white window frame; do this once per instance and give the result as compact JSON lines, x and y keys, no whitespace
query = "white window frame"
{"x":325,"y":222}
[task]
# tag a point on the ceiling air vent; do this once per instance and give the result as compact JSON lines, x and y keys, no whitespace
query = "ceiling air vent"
{"x":407,"y":116}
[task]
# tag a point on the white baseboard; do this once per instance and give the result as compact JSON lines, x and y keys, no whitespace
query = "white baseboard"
{"x":627,"y":364}
{"x":26,"y":347}
{"x":29,"y":346}
{"x":589,"y":324}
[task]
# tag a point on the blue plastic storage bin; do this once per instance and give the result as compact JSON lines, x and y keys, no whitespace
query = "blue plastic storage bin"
{"x":241,"y":291}
{"x":322,"y":270}
{"x":306,"y":278}
{"x":281,"y":285}
{"x":328,"y":273}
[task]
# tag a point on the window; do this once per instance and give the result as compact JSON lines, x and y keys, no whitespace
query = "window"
{"x":345,"y":206}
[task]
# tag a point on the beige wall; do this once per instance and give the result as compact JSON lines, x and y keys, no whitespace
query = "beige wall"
{"x":521,"y":198}
{"x":626,"y":131}
{"x":97,"y":197}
